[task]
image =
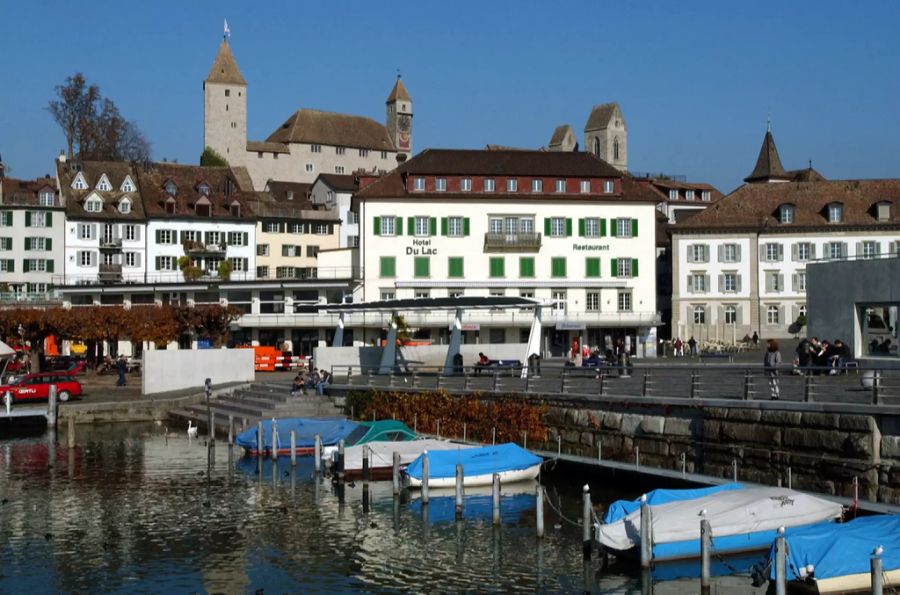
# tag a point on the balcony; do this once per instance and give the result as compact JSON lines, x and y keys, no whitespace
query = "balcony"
{"x":512,"y":242}
{"x":110,"y":244}
{"x":199,"y":249}
{"x":110,"y":273}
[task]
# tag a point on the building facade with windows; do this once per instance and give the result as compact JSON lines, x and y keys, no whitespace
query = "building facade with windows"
{"x":334,"y":193}
{"x":740,"y":265}
{"x":289,"y":239}
{"x":32,"y":224}
{"x":555,"y":226}
{"x":309,"y":142}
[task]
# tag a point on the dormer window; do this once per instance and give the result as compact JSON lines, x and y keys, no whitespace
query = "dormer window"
{"x":203,"y":208}
{"x":673,"y":194}
{"x":290,"y":195}
{"x":125,"y":205}
{"x":93,"y":204}
{"x":705,"y":195}
{"x":786,"y":214}
{"x":203,"y":189}
{"x":103,"y":185}
{"x":127,"y":185}
{"x":419,"y":184}
{"x":170,"y":205}
{"x":79,"y":183}
{"x":171,"y":188}
{"x":689,"y":195}
{"x":235,"y":209}
{"x":883,"y":211}
{"x":47,"y":198}
{"x":835,"y":212}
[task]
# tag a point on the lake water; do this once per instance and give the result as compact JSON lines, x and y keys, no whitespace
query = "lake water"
{"x":133,"y":509}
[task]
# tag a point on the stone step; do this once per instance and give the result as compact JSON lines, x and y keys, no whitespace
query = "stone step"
{"x":262,"y":395}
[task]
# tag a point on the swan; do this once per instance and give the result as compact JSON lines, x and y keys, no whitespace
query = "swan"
{"x":192,"y":429}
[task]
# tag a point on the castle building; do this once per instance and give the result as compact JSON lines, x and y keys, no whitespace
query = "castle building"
{"x":309,"y":142}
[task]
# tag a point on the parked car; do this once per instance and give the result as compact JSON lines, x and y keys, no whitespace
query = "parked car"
{"x":36,"y":387}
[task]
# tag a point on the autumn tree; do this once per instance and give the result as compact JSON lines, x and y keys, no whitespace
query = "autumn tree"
{"x":210,"y":321}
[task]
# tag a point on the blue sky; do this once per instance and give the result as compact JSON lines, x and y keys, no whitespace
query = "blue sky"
{"x":696,"y":80}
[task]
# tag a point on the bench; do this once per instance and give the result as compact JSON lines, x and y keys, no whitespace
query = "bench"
{"x":718,"y":356}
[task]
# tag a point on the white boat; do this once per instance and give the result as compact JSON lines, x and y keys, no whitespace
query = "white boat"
{"x":509,"y":461}
{"x":381,"y":460}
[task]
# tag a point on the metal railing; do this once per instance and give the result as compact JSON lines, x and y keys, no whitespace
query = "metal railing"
{"x":512,"y":241}
{"x":852,"y":386}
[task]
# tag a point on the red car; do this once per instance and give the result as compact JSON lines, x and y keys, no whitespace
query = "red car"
{"x":36,"y":387}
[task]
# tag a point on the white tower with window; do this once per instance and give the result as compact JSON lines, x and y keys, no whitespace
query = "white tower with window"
{"x":225,"y":108}
{"x":606,"y":135}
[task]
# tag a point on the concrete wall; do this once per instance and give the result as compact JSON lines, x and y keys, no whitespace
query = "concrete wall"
{"x":326,"y":358}
{"x":165,"y":370}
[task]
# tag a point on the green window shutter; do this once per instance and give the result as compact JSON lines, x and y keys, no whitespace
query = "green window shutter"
{"x":376,"y":226}
{"x":246,"y":240}
{"x":602,"y":228}
{"x":10,"y":266}
{"x":158,"y":237}
{"x":432,"y":226}
{"x":48,"y":218}
{"x":581,"y":227}
{"x":410,"y":226}
{"x":592,"y":267}
{"x":547,"y":226}
{"x":614,"y":267}
{"x":497,"y":268}
{"x":526,"y":266}
{"x":568,"y":227}
{"x":388,"y":266}
{"x":422,"y":266}
{"x":49,"y":266}
{"x":49,"y":244}
{"x":558,"y":266}
{"x":27,"y":218}
{"x":443,"y":226}
{"x":455,"y":267}
{"x":398,"y":226}
{"x":613,"y":227}
{"x":634,"y":228}
{"x":26,"y":265}
{"x":158,"y":261}
{"x":465,"y":226}
{"x":28,"y":243}
{"x":634,"y":267}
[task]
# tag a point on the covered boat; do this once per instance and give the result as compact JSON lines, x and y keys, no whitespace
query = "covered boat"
{"x":622,"y":508}
{"x":331,"y":432}
{"x":386,"y":430}
{"x":835,"y":557}
{"x":381,"y":460}
{"x":741,"y":520}
{"x":510,"y":461}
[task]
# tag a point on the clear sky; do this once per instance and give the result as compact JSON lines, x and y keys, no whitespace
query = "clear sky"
{"x":696,"y":80}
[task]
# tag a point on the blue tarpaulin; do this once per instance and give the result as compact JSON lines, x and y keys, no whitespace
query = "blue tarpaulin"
{"x":475,"y":461}
{"x":330,"y":430}
{"x":841,"y":549}
{"x":622,"y":508}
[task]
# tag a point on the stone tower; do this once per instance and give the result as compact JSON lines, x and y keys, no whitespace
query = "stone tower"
{"x":563,"y":139}
{"x":606,"y":135}
{"x":399,"y":119}
{"x":225,"y":108}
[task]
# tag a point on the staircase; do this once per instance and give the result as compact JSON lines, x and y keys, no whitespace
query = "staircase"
{"x":260,"y":400}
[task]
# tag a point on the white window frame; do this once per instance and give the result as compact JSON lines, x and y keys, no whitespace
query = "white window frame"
{"x":698,"y":314}
{"x":388,"y":294}
{"x":804,"y":251}
{"x":85,"y":231}
{"x":697,"y":283}
{"x":389,"y":225}
{"x":418,"y":184}
{"x":786,"y":214}
{"x":421,"y":226}
{"x":237,"y":264}
{"x":624,"y":300}
{"x":623,"y":268}
{"x":560,"y":300}
{"x":84,"y":258}
{"x":623,"y":227}
{"x":125,"y":205}
{"x":869,"y":249}
{"x":495,"y":225}
{"x":512,"y":185}
{"x":131,"y":259}
{"x":455,"y":227}
{"x":127,"y":185}
{"x":129,"y":232}
{"x":772,"y":316}
{"x":689,"y":195}
{"x":93,"y":205}
{"x":729,"y":253}
{"x":698,"y":253}
{"x":801,"y":281}
{"x":43,"y":197}
{"x":705,"y":195}
{"x":560,"y":186}
{"x":166,"y":237}
{"x":557,"y":227}
{"x":537,"y":185}
{"x":729,"y":282}
{"x":489,"y":184}
{"x":585,"y":186}
{"x":730,"y":312}
{"x":609,"y":187}
{"x":592,"y":301}
{"x":440,"y":184}
{"x":835,"y":212}
{"x":771,"y":252}
{"x":271,"y":227}
{"x":831,"y":251}
{"x":465,"y":184}
{"x":673,"y":194}
{"x":592,"y":227}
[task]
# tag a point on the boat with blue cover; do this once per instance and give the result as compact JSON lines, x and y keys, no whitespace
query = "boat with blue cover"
{"x":331,"y":431}
{"x":741,"y":519}
{"x":622,"y":508}
{"x":835,"y":557}
{"x":510,"y":461}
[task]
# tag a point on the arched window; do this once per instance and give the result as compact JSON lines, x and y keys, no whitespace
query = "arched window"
{"x":596,"y":146}
{"x":772,"y":315}
{"x":616,"y":149}
{"x":802,"y":310}
{"x":171,"y":188}
{"x":730,"y":314}
{"x":699,"y":315}
{"x":125,"y":205}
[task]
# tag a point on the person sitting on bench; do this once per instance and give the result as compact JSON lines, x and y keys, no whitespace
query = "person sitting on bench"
{"x":483,"y":362}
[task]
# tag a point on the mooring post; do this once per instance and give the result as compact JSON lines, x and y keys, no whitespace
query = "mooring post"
{"x":210,"y":418}
{"x":466,"y":381}
{"x":646,"y":534}
{"x":260,"y":440}
{"x":415,"y":423}
{"x":789,"y":478}
{"x":734,"y":470}
{"x":317,"y":452}
{"x":683,"y":464}
{"x":340,"y":461}
{"x":645,"y":390}
{"x":780,"y":564}
{"x":51,"y":407}
{"x":748,"y":385}
{"x":637,"y":456}
{"x":877,"y":572}
{"x":459,"y":491}
{"x":586,"y":521}
{"x":599,"y":450}
{"x":493,"y":436}
{"x":808,"y":388}
{"x":539,"y":510}
{"x":425,"y":477}
{"x":439,"y":429}
{"x":558,"y":446}
{"x":602,"y":377}
{"x":496,"y":386}
{"x":876,"y":387}
{"x":230,"y":430}
{"x":464,"y":431}
{"x":705,"y":549}
{"x":293,"y":448}
{"x":695,"y":384}
{"x":495,"y":498}
{"x":70,"y":431}
{"x":395,"y":473}
{"x":365,"y":462}
{"x":274,"y":439}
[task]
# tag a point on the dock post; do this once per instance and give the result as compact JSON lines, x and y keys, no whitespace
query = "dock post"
{"x":230,"y":430}
{"x":637,"y":456}
{"x":748,"y":385}
{"x":459,"y":491}
{"x":425,"y":470}
{"x":789,"y":478}
{"x":70,"y":431}
{"x":464,"y":431}
{"x":365,"y":462}
{"x":705,"y":549}
{"x":586,"y":521}
{"x":318,"y":454}
{"x":51,"y":407}
{"x":602,"y":377}
{"x":293,"y":448}
{"x":599,"y":450}
{"x":439,"y":429}
{"x":340,"y":459}
{"x":260,"y":442}
{"x":415,"y":423}
{"x":525,"y":439}
{"x":695,"y":384}
{"x":539,"y":510}
{"x":645,"y":390}
{"x":683,"y":464}
{"x":496,"y":386}
{"x":558,"y":446}
{"x":274,"y":440}
{"x":646,"y":534}
{"x":877,"y":574}
{"x":495,"y":499}
{"x":808,"y":388}
{"x":493,"y":436}
{"x":734,"y":470}
{"x":780,"y":564}
{"x":396,"y":473}
{"x":876,"y":387}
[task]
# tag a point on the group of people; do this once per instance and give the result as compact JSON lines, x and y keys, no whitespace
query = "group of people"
{"x":678,"y":346}
{"x":819,"y":357}
{"x":315,"y":380}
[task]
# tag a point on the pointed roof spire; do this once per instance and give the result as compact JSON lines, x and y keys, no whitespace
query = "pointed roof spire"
{"x":768,"y":164}
{"x":399,"y":91}
{"x":224,"y":68}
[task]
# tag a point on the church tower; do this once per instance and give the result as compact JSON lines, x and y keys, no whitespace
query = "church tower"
{"x":225,"y":108}
{"x":768,"y":168}
{"x":606,"y":135}
{"x":399,"y":119}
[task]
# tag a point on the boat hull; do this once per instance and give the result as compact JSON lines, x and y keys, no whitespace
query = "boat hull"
{"x":861,"y":582}
{"x":486,"y":479}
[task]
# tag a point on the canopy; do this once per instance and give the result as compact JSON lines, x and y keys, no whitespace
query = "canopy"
{"x":475,"y":461}
{"x":383,"y":452}
{"x":622,"y":508}
{"x":840,"y":549}
{"x":331,"y":432}
{"x":6,"y":350}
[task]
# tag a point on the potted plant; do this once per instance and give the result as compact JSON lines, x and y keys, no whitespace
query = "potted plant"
{"x":225,"y":269}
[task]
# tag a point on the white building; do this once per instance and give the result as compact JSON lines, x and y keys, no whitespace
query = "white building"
{"x":334,"y":193}
{"x":740,"y":265}
{"x":556,"y":226}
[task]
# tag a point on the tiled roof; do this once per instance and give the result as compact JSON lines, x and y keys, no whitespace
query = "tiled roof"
{"x":328,"y":128}
{"x":262,"y":146}
{"x":265,"y":206}
{"x":224,"y":190}
{"x":341,"y":183}
{"x":495,"y":147}
{"x":559,"y":134}
{"x":768,"y":164}
{"x":600,"y":116}
{"x":756,"y":206}
{"x":279,"y":192}
{"x":224,"y":68}
{"x":806,"y":175}
{"x":508,"y":163}
{"x":93,"y":171}
{"x":25,"y":192}
{"x":399,"y":92}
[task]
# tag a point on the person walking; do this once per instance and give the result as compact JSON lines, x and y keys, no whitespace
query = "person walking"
{"x":771,"y":361}
{"x":679,"y":346}
{"x":755,"y":338}
{"x":692,"y":343}
{"x":121,"y":368}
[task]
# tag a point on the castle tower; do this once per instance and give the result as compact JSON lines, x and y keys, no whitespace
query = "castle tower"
{"x":768,"y":167}
{"x":225,"y":107}
{"x":399,"y":119}
{"x":606,"y":135}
